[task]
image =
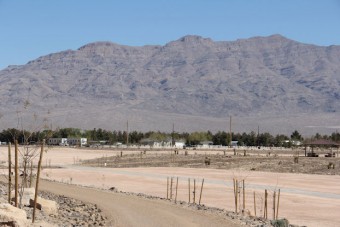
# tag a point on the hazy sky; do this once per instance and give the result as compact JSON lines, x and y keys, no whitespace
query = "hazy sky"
{"x":32,"y":28}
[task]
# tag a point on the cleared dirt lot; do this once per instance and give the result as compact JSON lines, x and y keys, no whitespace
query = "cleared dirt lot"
{"x":306,"y":199}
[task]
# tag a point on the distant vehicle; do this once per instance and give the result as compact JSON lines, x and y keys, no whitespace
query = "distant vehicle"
{"x":312,"y":154}
{"x":63,"y":144}
{"x":330,"y":155}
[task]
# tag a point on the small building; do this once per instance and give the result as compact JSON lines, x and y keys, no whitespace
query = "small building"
{"x":179,"y":144}
{"x":57,"y":141}
{"x":323,"y":145}
{"x":234,"y":143}
{"x":77,"y":141}
{"x":206,"y":144}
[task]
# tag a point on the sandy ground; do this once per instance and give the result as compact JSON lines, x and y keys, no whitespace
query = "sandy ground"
{"x":312,"y":200}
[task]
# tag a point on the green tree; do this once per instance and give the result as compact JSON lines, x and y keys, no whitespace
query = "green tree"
{"x":296,"y":136}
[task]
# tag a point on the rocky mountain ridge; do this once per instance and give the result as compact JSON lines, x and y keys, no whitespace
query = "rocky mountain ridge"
{"x":191,"y":78}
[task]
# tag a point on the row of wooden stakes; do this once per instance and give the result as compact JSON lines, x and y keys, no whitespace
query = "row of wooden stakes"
{"x":237,"y":198}
{"x":170,"y":190}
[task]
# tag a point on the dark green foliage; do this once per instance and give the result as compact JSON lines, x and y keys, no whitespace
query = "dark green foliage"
{"x":296,"y":136}
{"x":135,"y":137}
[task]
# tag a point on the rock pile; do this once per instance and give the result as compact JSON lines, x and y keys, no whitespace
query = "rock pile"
{"x":70,"y":212}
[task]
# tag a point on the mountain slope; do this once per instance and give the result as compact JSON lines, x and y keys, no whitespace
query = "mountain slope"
{"x":190,"y":78}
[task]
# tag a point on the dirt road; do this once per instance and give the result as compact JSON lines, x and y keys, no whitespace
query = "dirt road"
{"x":125,"y":210}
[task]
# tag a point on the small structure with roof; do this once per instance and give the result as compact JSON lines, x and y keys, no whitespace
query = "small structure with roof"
{"x":322,"y":143}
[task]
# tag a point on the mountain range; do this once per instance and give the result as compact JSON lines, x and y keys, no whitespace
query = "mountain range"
{"x":274,"y":83}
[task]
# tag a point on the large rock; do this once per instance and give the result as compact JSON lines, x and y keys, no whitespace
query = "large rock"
{"x":47,"y":206}
{"x":13,"y":215}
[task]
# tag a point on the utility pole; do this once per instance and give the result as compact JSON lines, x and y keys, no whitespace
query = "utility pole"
{"x":258,"y":136}
{"x":172,"y":135}
{"x":231,"y":137}
{"x":127,"y":133}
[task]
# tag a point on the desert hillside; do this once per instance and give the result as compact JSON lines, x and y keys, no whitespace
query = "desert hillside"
{"x":195,"y":82}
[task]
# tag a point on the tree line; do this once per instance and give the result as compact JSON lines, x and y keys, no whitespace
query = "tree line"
{"x":134,"y":137}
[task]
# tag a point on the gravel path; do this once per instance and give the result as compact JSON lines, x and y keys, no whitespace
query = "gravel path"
{"x":125,"y":210}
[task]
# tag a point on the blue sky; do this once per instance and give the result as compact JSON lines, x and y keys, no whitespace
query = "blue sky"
{"x":29,"y":29}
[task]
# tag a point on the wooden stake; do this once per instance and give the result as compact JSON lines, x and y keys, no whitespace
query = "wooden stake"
{"x":244,"y":196}
{"x":189,"y":189}
{"x":194,"y":190}
{"x":239,"y":195}
{"x":16,"y":167}
{"x":176,"y":190}
{"x":235,"y":194}
{"x":265,"y":204}
{"x":254,"y":204}
{"x":278,"y":203}
{"x":167,"y":188}
{"x":37,"y":180}
{"x":199,"y":202}
{"x":274,"y":198}
{"x":31,"y":174}
{"x":171,"y":188}
{"x":9,"y":173}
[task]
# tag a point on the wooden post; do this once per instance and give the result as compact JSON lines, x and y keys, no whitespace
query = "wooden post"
{"x":265,"y":204}
{"x":171,"y":188}
{"x":199,"y":202}
{"x":244,"y":196}
{"x":167,"y":188}
{"x":31,"y":174}
{"x":189,"y":189}
{"x":9,"y":173}
{"x":16,"y":167}
{"x":239,"y":194}
{"x":254,"y":204}
{"x":278,"y":203}
{"x":127,"y":134}
{"x":194,"y":191}
{"x":176,"y":190}
{"x":24,"y":177}
{"x":235,"y":194}
{"x":37,"y":181}
{"x":274,"y":198}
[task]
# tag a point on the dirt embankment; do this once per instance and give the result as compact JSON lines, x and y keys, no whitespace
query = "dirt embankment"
{"x":277,"y":162}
